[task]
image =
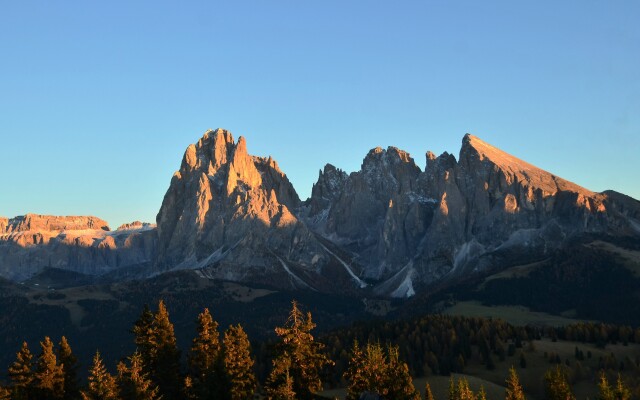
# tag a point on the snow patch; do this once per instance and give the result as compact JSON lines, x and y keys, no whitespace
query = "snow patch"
{"x":294,"y":276}
{"x":405,"y":290}
{"x":359,"y":281}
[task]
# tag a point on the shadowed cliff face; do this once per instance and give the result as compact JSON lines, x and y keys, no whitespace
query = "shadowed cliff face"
{"x":230,"y":214}
{"x":79,"y":244}
{"x":411,"y":228}
{"x":235,"y":216}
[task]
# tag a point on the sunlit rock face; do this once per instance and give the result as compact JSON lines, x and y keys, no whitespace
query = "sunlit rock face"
{"x":230,"y":214}
{"x":31,"y":243}
{"x":235,"y":216}
{"x":411,"y":228}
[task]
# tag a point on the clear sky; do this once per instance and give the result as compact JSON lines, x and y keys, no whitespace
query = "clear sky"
{"x":98,"y":100}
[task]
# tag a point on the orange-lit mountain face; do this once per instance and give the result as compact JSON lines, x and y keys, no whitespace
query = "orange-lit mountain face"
{"x":389,"y":228}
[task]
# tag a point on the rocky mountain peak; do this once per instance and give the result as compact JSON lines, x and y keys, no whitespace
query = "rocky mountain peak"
{"x":51,"y":223}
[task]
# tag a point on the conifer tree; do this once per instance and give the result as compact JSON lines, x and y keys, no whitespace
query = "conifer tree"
{"x":374,"y":371}
{"x":134,"y":383}
{"x":514,"y":389}
{"x":428,"y":394}
{"x":464,"y":392}
{"x":142,"y":330}
{"x":482,"y":394}
{"x":102,"y":385}
{"x":605,"y":392}
{"x":399,"y":383}
{"x":204,"y":359}
{"x":621,"y":392}
{"x":557,"y":387}
{"x":304,"y":353}
{"x":452,"y":393}
{"x":164,"y":355}
{"x":69,"y":364}
{"x":21,"y":373}
{"x":5,"y":394}
{"x":49,"y":375}
{"x":280,"y":385}
{"x":238,"y":364}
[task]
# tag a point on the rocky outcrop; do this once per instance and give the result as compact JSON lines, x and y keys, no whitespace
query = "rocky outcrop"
{"x":50,"y":223}
{"x":80,"y":244}
{"x":230,"y":214}
{"x":411,"y":228}
{"x":237,"y":217}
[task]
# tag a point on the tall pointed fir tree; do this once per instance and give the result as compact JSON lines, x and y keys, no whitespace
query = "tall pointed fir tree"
{"x":428,"y":394}
{"x":305,"y":354}
{"x":69,"y":364}
{"x":280,"y":385}
{"x":399,"y":383}
{"x":514,"y":389}
{"x":557,"y":386}
{"x":49,"y":376}
{"x":238,"y":365}
{"x":165,"y":356}
{"x":142,"y":330}
{"x":5,"y":394}
{"x":21,"y":373}
{"x":102,"y":385}
{"x":134,"y":383}
{"x":205,"y":377}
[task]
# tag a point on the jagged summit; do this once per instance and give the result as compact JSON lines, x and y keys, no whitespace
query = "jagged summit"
{"x":516,"y":169}
{"x":235,"y":216}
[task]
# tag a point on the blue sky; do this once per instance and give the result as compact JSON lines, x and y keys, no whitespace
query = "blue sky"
{"x":98,"y":100}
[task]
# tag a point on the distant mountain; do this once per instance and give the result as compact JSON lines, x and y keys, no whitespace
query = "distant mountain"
{"x":389,"y":229}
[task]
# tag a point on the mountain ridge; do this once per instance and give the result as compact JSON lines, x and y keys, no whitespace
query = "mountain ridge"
{"x":236,"y":216}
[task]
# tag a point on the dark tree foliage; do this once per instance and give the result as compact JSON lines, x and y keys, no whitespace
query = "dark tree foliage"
{"x":70,"y":367}
{"x":374,"y":370}
{"x":21,"y":373}
{"x":205,"y":369}
{"x":556,"y":384}
{"x":302,"y":354}
{"x":49,"y":375}
{"x":102,"y":385}
{"x":238,"y":365}
{"x":133,"y":382}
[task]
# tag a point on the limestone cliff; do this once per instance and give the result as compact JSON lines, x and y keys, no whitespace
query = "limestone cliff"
{"x":230,"y":214}
{"x":411,"y":228}
{"x":31,"y":243}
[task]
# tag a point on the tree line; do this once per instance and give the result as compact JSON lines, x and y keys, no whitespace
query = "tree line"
{"x":222,"y":366}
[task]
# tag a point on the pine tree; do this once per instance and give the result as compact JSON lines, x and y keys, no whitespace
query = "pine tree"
{"x":238,"y":364}
{"x":464,"y":391}
{"x":304,"y":353}
{"x":428,"y":394}
{"x":621,"y":392}
{"x":142,"y":330}
{"x":204,"y":359}
{"x":5,"y":394}
{"x":482,"y":394}
{"x":375,"y":371}
{"x":49,"y":375}
{"x":355,"y":373}
{"x":134,"y":383}
{"x":21,"y":373}
{"x":452,"y":393}
{"x":398,"y":380}
{"x":605,"y":392}
{"x":102,"y":385}
{"x":514,"y":389}
{"x":70,"y":369}
{"x":164,"y":366}
{"x":280,"y":385}
{"x":557,"y":387}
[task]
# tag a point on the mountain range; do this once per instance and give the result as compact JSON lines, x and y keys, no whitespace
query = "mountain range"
{"x":391,"y":229}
